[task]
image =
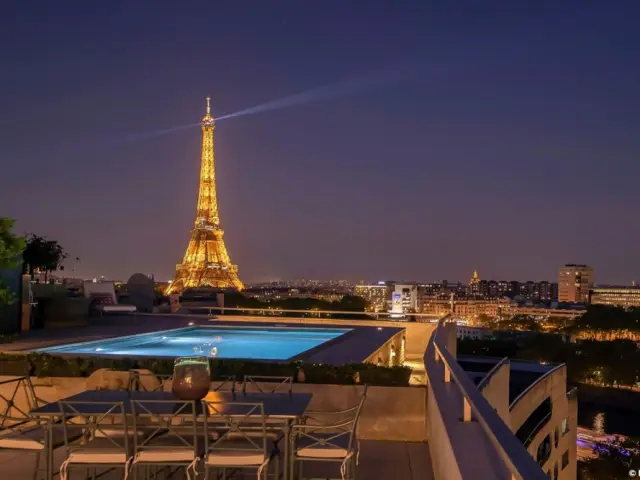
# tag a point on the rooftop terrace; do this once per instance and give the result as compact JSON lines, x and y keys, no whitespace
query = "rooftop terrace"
{"x":466,"y":437}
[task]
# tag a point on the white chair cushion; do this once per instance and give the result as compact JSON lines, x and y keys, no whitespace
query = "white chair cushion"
{"x":166,"y":455}
{"x":172,"y":450}
{"x":334,"y":448}
{"x":97,"y":455}
{"x":98,"y":450}
{"x":271,"y":435}
{"x":222,"y":458}
{"x":114,"y":432}
{"x":33,"y":438}
{"x":116,"y":308}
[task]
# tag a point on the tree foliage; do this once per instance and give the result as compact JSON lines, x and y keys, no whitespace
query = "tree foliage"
{"x":517,"y":322}
{"x":43,"y":255}
{"x":602,"y":318}
{"x":348,"y":303}
{"x":614,"y":363}
{"x":11,"y":246}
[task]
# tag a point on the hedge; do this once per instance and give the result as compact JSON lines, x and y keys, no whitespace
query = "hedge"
{"x":44,"y":365}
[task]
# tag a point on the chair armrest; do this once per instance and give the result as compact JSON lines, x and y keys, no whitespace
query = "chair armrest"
{"x":324,"y":417}
{"x":302,"y":427}
{"x":334,"y":412}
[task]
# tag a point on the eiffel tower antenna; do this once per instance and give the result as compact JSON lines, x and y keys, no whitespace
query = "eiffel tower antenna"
{"x":206,"y":262}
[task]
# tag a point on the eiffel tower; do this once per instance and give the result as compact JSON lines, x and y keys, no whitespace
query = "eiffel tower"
{"x":206,"y":262}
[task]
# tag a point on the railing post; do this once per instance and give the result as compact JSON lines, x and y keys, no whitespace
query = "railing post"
{"x":466,"y":410}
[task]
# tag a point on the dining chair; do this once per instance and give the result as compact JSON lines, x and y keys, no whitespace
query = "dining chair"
{"x":18,"y":431}
{"x":328,"y":436}
{"x":99,"y":450}
{"x":169,"y":434}
{"x":227,"y":384}
{"x":148,"y":382}
{"x":240,"y":442}
{"x":267,"y":384}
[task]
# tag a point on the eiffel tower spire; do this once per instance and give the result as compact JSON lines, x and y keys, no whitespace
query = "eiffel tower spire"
{"x":206,"y":262}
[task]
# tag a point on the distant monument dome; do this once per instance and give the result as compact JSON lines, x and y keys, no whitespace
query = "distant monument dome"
{"x":141,"y":292}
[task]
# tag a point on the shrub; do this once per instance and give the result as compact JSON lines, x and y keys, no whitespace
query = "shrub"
{"x":44,"y":365}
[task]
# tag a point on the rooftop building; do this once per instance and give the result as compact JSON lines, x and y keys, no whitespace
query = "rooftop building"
{"x":574,"y":283}
{"x":618,"y":296}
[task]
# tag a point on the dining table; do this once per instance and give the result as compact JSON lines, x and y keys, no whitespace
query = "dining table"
{"x":281,"y":410}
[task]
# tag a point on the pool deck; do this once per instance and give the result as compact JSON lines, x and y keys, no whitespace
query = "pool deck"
{"x":352,"y":347}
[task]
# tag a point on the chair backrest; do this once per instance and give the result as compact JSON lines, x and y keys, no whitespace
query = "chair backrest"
{"x":98,"y":419}
{"x":17,"y":399}
{"x":227,"y":384}
{"x":360,"y":405}
{"x":175,"y":419}
{"x":147,"y":382}
{"x":237,"y":422}
{"x":342,"y":424}
{"x":275,"y":384}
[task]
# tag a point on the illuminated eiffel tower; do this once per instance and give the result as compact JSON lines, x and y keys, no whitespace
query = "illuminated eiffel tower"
{"x":206,"y":262}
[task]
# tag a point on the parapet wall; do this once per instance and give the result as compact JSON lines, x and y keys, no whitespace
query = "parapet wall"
{"x":553,"y":385}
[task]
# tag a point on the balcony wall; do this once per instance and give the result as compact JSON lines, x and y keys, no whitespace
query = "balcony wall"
{"x":495,"y":388}
{"x":552,"y":385}
{"x":467,"y":435}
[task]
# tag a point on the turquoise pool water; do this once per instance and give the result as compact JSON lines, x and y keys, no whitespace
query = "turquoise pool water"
{"x":263,"y":343}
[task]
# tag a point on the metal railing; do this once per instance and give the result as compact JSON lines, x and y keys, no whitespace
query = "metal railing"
{"x":537,"y":429}
{"x":518,"y":461}
{"x":276,"y":312}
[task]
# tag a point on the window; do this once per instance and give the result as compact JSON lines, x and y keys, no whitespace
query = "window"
{"x":544,"y":450}
{"x":565,"y":426}
{"x":555,"y":471}
{"x":565,"y":459}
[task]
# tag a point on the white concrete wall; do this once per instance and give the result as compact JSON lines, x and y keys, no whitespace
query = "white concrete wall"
{"x":554,"y":386}
{"x":443,"y":459}
{"x":496,"y":391}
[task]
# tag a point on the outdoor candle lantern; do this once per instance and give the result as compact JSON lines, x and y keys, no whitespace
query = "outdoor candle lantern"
{"x":191,"y":378}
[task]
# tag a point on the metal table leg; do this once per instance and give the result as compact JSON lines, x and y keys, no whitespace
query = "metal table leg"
{"x":49,"y":450}
{"x":285,"y":462}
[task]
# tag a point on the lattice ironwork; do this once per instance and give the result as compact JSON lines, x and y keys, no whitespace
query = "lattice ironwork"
{"x":206,"y":262}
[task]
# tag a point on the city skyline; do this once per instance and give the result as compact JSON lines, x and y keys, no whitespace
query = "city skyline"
{"x":510,"y":147}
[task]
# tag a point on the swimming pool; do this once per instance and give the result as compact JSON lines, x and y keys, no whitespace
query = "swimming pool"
{"x":259,"y":343}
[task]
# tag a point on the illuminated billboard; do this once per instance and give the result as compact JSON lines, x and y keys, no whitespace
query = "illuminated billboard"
{"x":396,"y":302}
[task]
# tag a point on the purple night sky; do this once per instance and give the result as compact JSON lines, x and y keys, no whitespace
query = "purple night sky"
{"x":509,"y":144}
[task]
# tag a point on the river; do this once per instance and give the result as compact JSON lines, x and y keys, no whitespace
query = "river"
{"x":609,"y":419}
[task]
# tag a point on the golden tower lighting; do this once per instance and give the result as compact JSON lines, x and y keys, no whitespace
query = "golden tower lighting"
{"x":206,"y":262}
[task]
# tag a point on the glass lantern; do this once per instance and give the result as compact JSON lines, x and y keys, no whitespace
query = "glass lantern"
{"x":191,"y":378}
